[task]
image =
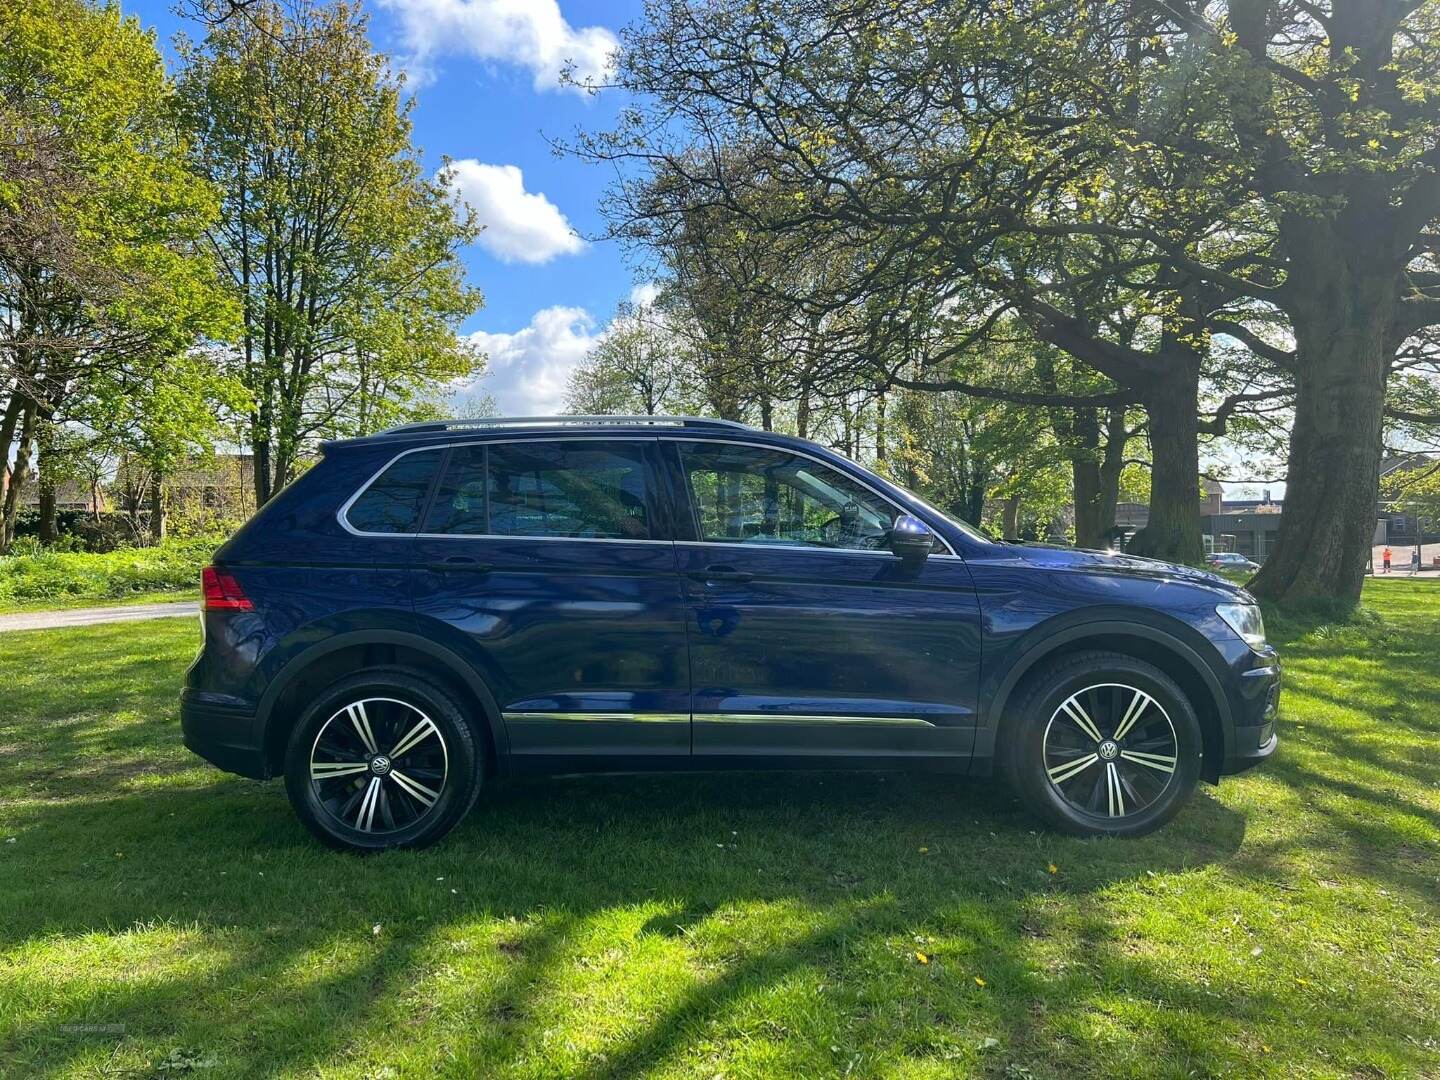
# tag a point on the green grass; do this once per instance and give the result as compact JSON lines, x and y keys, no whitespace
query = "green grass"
{"x":58,"y":579}
{"x":158,"y":917}
{"x":153,"y":596}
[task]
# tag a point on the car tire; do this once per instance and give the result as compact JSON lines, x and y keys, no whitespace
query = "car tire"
{"x":1061,"y":755}
{"x":385,"y":758}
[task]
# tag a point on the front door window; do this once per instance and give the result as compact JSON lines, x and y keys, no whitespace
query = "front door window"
{"x":755,"y":495}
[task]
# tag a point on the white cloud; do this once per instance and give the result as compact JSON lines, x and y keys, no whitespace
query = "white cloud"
{"x":530,"y":33}
{"x":520,"y":226}
{"x":644,"y":294}
{"x":530,"y":369}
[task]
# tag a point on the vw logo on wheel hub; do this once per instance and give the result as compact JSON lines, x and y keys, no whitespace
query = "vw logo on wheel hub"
{"x":380,"y":765}
{"x":1109,"y":750}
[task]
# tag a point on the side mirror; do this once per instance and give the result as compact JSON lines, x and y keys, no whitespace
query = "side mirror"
{"x":911,"y":538}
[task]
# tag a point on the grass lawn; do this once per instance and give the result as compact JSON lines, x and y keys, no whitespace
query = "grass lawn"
{"x":67,"y":603}
{"x":158,"y":917}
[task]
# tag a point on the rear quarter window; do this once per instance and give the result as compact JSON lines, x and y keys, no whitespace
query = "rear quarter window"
{"x":393,"y":501}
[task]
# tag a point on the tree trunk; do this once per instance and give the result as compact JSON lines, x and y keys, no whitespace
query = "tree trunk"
{"x":9,"y":424}
{"x":1010,"y":519}
{"x":24,"y":446}
{"x":49,"y":525}
{"x":980,"y":476}
{"x":1335,"y":446}
{"x":1173,"y":531}
{"x":48,"y":488}
{"x":157,"y":507}
{"x":1095,"y":470}
{"x":1081,"y":436}
{"x":260,"y":447}
{"x":1112,"y":464}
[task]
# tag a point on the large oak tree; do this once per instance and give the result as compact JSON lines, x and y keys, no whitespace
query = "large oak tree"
{"x":1264,"y":170}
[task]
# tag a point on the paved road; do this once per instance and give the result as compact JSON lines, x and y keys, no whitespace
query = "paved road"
{"x":47,"y":620}
{"x":1401,"y":555}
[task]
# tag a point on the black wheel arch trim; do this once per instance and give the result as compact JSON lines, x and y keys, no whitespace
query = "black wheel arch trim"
{"x":1048,"y":638}
{"x":454,"y":663}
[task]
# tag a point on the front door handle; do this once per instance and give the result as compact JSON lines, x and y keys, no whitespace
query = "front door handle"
{"x":720,"y":573}
{"x":461,"y":562}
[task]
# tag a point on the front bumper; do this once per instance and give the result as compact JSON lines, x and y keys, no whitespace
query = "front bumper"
{"x":222,"y":731}
{"x":1256,"y":735}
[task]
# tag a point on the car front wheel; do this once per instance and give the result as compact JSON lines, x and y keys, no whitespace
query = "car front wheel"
{"x":1103,"y":744}
{"x":382,"y":759}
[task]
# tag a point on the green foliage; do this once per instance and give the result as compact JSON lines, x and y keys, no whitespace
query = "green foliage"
{"x":103,"y":286}
{"x":1133,"y":182}
{"x":1415,"y":490}
{"x":343,"y":252}
{"x":42,"y":575}
{"x":638,"y":367}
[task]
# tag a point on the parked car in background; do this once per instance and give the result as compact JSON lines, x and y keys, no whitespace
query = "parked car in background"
{"x":444,"y":603}
{"x":1231,"y":560}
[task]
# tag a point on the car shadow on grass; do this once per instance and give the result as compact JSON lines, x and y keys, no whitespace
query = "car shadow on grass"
{"x":224,"y":927}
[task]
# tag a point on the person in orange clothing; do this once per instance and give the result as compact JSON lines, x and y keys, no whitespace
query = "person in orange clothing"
{"x":1385,"y":556}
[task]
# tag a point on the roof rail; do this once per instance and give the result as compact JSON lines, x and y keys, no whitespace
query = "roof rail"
{"x":560,"y":421}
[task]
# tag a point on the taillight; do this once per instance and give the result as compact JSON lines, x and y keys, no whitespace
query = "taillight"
{"x":221,"y":592}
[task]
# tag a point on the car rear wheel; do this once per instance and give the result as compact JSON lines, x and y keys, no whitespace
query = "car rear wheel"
{"x":382,"y":759}
{"x":1103,"y":744}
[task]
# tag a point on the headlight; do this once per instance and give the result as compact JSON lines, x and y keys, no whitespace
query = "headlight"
{"x":1245,"y":620}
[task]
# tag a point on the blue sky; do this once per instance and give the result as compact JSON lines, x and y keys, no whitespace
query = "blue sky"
{"x":485,"y":78}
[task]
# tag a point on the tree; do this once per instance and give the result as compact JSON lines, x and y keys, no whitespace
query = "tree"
{"x":968,"y":455}
{"x":1215,"y":169}
{"x":343,"y":254}
{"x":636,"y":367}
{"x":1415,"y":490}
{"x":100,"y":278}
{"x":1330,"y":112}
{"x":910,"y":146}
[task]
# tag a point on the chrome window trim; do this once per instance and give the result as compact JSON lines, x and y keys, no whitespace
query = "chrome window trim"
{"x":340,"y":515}
{"x":814,"y":550}
{"x":547,"y":437}
{"x":949,"y":548}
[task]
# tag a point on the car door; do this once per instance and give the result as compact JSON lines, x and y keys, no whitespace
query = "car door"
{"x":808,"y":637}
{"x":552,"y":557}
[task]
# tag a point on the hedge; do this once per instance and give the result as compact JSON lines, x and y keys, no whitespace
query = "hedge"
{"x":72,"y":575}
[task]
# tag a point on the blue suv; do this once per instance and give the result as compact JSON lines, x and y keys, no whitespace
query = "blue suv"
{"x":447,"y":602}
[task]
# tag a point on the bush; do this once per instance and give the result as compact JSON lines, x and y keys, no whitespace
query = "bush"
{"x":30,"y":575}
{"x":81,"y":530}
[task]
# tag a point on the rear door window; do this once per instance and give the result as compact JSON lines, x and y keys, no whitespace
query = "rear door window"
{"x":394,"y":500}
{"x":581,"y":490}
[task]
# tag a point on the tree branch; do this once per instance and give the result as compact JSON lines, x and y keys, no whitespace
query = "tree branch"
{"x":1018,"y":397}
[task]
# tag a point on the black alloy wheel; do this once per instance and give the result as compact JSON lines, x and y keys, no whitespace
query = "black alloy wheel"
{"x":382,"y":759}
{"x":1102,"y":744}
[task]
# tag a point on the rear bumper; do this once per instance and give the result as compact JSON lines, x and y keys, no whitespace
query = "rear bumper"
{"x":1256,"y":735}
{"x":223,"y":733}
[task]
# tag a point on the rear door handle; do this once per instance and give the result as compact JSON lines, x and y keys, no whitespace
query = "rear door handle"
{"x":461,"y":562}
{"x":720,"y":573}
